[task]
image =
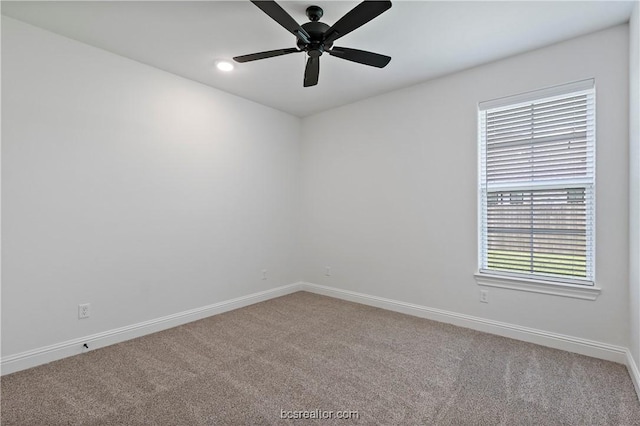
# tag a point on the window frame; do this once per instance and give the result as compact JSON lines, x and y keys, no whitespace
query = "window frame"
{"x":538,"y":283}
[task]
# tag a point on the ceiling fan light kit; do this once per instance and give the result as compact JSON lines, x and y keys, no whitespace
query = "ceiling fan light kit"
{"x":315,"y":37}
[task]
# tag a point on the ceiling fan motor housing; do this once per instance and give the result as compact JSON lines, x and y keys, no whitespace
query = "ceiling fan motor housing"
{"x":316,"y":30}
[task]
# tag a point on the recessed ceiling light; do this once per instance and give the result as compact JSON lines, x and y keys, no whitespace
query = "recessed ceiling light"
{"x":224,"y":66}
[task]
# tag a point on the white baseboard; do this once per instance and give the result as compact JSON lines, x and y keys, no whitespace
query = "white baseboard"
{"x":634,"y":372}
{"x":39,"y":356}
{"x":43,"y":355}
{"x":553,"y":340}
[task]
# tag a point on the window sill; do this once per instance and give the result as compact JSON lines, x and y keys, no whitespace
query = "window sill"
{"x":538,"y":286}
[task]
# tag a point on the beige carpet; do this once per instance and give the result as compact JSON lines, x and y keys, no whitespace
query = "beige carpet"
{"x":309,"y":352}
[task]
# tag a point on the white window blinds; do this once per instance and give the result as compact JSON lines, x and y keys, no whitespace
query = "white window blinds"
{"x":537,"y":177}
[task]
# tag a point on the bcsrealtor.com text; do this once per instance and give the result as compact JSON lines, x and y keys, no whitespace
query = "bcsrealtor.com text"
{"x":319,"y":414}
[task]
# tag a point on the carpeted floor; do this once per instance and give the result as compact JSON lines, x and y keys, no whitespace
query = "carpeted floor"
{"x":309,"y":352}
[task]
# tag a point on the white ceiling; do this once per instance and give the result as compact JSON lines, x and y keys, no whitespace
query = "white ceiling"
{"x":426,"y":39}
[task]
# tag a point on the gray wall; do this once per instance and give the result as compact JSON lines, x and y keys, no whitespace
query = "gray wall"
{"x":140,"y":192}
{"x":634,"y":182}
{"x":146,"y":194}
{"x":390,"y":191}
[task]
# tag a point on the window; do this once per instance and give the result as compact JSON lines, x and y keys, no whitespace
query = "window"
{"x":537,"y":183}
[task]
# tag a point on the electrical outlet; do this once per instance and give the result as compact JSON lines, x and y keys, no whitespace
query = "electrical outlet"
{"x":84,"y":310}
{"x":264,"y":274}
{"x":327,"y":271}
{"x":484,"y":296}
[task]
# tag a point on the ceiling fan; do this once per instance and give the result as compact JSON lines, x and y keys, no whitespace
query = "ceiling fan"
{"x":316,"y":37}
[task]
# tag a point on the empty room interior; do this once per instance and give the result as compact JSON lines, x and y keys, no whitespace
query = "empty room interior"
{"x":340,"y":212}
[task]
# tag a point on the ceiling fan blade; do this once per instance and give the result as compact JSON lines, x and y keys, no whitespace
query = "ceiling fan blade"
{"x":278,"y":14}
{"x":355,"y":18}
{"x":311,"y":72}
{"x":360,"y":56}
{"x":265,"y":55}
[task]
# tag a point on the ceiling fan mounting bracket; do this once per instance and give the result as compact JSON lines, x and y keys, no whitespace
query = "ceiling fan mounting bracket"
{"x":314,"y":13}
